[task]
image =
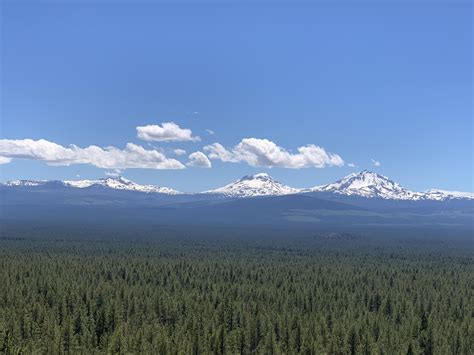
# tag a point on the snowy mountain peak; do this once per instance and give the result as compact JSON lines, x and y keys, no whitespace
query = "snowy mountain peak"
{"x":368,"y":184}
{"x":259,"y":176}
{"x":120,"y":183}
{"x":26,"y":182}
{"x":441,"y":195}
{"x":370,"y":180}
{"x":260,"y":184}
{"x":118,"y":178}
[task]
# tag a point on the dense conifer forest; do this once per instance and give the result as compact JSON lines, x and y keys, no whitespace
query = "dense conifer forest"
{"x":322,"y":294}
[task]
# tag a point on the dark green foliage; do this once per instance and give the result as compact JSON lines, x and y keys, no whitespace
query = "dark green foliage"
{"x":307,"y":296}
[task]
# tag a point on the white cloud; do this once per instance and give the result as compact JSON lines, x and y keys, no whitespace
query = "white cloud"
{"x":265,"y":153}
{"x":179,"y":151}
{"x":199,"y":160}
{"x":133,"y":156}
{"x":114,"y":172}
{"x":5,"y":160}
{"x":167,"y":132}
{"x":375,"y":162}
{"x":351,"y":165}
{"x":210,"y":131}
{"x":217,"y":151}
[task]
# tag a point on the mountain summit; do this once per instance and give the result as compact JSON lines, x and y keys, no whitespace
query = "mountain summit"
{"x":372,"y":185}
{"x":116,"y":183}
{"x":120,"y":183}
{"x":368,"y":184}
{"x":254,"y":185}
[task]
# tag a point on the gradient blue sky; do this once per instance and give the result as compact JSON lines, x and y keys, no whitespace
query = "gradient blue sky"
{"x":386,"y":82}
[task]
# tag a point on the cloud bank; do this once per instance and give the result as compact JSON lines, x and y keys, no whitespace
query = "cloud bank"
{"x":133,"y":156}
{"x":199,"y":160}
{"x":265,"y":153}
{"x":167,"y":132}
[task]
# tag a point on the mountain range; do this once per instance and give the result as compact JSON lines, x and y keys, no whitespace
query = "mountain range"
{"x":361,"y":201}
{"x":118,"y":183}
{"x":365,"y":184}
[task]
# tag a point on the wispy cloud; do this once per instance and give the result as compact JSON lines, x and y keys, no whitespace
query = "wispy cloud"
{"x":114,"y":172}
{"x":199,"y":160}
{"x":133,"y":156}
{"x":351,"y":165}
{"x":265,"y":153}
{"x":375,"y":162}
{"x":179,"y":151}
{"x":5,"y":160}
{"x":210,"y":131}
{"x":167,"y":132}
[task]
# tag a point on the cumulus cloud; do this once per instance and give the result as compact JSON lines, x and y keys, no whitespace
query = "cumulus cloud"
{"x":179,"y":151}
{"x":5,"y":160}
{"x":375,"y":162}
{"x":133,"y":156}
{"x":210,"y":131}
{"x":217,"y":151}
{"x":167,"y":132}
{"x":199,"y":160}
{"x":265,"y":153}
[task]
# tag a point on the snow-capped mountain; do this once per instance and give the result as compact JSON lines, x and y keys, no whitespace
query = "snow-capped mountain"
{"x":441,"y":195}
{"x":368,"y":184}
{"x":25,"y":183}
{"x":254,"y":185}
{"x":372,"y":185}
{"x":117,"y":183}
{"x":365,"y":183}
{"x":120,"y":183}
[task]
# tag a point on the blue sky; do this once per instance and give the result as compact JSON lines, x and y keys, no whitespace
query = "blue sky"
{"x":387,"y":83}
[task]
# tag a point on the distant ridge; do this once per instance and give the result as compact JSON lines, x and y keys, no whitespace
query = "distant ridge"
{"x":117,"y":183}
{"x":365,"y":184}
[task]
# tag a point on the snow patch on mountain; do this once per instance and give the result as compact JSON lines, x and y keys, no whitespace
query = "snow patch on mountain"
{"x":254,"y":185}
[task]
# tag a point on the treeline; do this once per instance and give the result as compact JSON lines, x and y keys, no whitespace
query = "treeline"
{"x":193,"y":297}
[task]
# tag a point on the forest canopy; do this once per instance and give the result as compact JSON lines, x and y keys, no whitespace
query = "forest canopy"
{"x":330,"y":293}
